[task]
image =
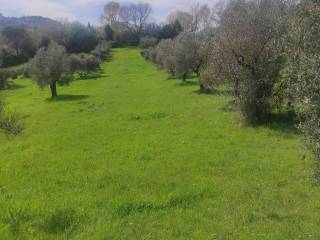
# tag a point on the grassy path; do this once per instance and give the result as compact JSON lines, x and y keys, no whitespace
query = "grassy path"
{"x":132,"y":155}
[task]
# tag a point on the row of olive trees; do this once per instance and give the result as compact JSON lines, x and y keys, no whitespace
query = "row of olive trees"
{"x":255,"y":41}
{"x":180,"y":56}
{"x":243,"y":45}
{"x":249,"y":44}
{"x":52,"y":65}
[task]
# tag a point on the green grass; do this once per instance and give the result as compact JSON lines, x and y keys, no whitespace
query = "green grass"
{"x":133,"y":155}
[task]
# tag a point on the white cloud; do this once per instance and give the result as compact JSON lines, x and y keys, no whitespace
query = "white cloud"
{"x":83,"y":10}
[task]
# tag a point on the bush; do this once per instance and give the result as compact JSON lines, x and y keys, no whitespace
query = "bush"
{"x":9,"y":73}
{"x":10,"y":122}
{"x":102,"y":50}
{"x":8,"y":56}
{"x":147,"y":42}
{"x":149,"y":54}
{"x":84,"y":64}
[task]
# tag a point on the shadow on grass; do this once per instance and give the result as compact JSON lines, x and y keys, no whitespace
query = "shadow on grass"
{"x":214,"y":91}
{"x":109,"y":57}
{"x":66,"y":98}
{"x":92,"y":76}
{"x":182,"y":201}
{"x":171,"y":77}
{"x":231,"y":106}
{"x":283,"y":122}
{"x":204,"y":92}
{"x":14,"y":86}
{"x":187,"y":83}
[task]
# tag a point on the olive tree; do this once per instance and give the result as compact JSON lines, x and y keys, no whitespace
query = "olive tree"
{"x":181,"y":55}
{"x":165,"y":55}
{"x":50,"y":66}
{"x":305,"y":69}
{"x":187,"y":55}
{"x":250,"y":41}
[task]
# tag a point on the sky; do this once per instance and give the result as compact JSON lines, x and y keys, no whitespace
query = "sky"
{"x":84,"y":10}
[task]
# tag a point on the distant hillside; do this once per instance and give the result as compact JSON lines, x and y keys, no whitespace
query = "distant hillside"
{"x":31,"y":21}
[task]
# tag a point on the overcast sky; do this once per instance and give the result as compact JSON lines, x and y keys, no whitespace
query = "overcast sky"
{"x":84,"y":10}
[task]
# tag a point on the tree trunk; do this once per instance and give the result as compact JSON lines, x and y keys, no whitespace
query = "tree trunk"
{"x":202,"y":88}
{"x":53,"y":88}
{"x":184,"y":77}
{"x":2,"y":84}
{"x":236,"y":88}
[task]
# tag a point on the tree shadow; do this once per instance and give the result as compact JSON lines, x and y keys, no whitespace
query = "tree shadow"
{"x":283,"y":122}
{"x":221,"y":91}
{"x":214,"y":91}
{"x":231,"y":106}
{"x":192,"y":77}
{"x":67,"y":97}
{"x":14,"y":86}
{"x":169,"y":77}
{"x":92,"y":76}
{"x":187,"y":83}
{"x":108,"y":57}
{"x":204,"y":92}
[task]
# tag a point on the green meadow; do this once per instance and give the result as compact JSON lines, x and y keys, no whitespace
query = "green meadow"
{"x":132,"y":154}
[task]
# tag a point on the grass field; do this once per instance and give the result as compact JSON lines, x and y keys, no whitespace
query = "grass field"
{"x":134,"y":155}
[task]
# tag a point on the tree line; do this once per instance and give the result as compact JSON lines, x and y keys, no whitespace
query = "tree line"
{"x":266,"y":50}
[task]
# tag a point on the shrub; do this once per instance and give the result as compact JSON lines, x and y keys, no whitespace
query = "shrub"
{"x":147,"y":42}
{"x":10,"y":122}
{"x":165,"y":55}
{"x":84,"y":64}
{"x":102,"y":50}
{"x":8,"y":56}
{"x":9,"y":73}
{"x":149,"y":54}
